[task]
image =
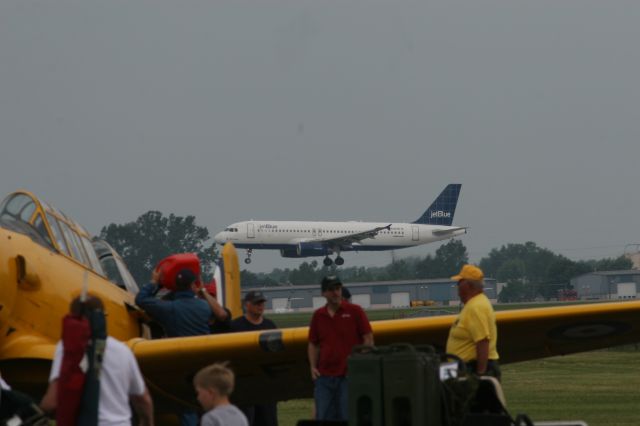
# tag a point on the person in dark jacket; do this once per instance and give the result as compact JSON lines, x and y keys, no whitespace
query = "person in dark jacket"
{"x":187,"y":314}
{"x":252,"y":320}
{"x":184,"y":315}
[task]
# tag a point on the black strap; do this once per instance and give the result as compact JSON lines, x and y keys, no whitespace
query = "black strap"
{"x":523,"y":419}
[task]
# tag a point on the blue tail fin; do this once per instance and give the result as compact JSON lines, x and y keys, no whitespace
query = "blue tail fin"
{"x":442,"y":210}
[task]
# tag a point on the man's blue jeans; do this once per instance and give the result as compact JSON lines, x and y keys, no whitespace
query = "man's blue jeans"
{"x":331,"y":394}
{"x":189,"y":418}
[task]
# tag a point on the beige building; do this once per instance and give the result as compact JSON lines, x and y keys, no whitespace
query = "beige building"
{"x":635,"y":258}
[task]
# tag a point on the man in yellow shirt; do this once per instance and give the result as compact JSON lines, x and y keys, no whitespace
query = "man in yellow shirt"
{"x":474,"y":334}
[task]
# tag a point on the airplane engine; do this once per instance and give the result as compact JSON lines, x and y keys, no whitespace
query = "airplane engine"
{"x":304,"y":250}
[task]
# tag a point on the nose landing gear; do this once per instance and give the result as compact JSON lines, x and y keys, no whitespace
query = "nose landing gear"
{"x":328,"y":262}
{"x":248,"y":259}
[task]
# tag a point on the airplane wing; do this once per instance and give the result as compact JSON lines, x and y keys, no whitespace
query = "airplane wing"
{"x":440,"y":232}
{"x":347,"y":240}
{"x":276,"y":360}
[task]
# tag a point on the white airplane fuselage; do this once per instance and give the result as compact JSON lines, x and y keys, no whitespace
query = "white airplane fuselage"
{"x":308,"y":238}
{"x":288,"y":236}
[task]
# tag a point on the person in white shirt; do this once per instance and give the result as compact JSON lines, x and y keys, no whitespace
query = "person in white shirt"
{"x":121,"y":382}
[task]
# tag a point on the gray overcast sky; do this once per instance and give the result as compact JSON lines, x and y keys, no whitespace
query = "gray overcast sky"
{"x":330,"y":110}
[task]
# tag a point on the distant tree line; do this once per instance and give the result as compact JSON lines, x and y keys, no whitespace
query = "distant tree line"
{"x":448,"y":258}
{"x":529,"y":271}
{"x":532,"y":272}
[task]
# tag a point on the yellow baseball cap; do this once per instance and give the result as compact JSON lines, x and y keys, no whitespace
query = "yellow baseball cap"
{"x":469,"y":272}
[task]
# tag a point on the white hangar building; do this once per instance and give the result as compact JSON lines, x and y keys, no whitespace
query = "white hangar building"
{"x":370,"y":295}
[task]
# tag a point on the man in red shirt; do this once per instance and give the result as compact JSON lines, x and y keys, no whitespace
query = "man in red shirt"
{"x":335,"y":329}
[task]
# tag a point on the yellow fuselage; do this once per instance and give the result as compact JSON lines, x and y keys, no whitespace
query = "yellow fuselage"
{"x":37,"y":285}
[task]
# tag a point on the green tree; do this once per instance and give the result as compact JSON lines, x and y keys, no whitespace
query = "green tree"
{"x":399,"y":270}
{"x":152,"y":236}
{"x":513,"y":291}
{"x":357,"y":274}
{"x":307,"y":273}
{"x":613,"y":264}
{"x":525,"y":263}
{"x":559,"y":274}
{"x":427,"y":267}
{"x":450,"y":257}
{"x":448,"y":260}
{"x":513,"y":270}
{"x":250,"y":280}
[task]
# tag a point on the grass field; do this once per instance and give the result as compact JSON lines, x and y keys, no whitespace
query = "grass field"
{"x":600,"y":387}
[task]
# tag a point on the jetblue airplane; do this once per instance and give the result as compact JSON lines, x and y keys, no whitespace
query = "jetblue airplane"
{"x":306,"y":239}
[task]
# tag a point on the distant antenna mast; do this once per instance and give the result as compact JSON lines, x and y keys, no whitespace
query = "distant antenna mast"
{"x":636,"y":247}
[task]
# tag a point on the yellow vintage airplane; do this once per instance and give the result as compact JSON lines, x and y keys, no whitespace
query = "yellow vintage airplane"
{"x":45,"y":257}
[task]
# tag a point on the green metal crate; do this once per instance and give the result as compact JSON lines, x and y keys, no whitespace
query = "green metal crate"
{"x":366,"y":402}
{"x":411,"y":386}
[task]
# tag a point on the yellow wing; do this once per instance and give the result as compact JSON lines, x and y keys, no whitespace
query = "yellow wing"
{"x":538,"y":333}
{"x":273,"y":364}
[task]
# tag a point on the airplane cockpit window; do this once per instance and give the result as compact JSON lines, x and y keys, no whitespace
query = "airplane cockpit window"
{"x":16,"y":212}
{"x":129,"y":281}
{"x":78,"y":243}
{"x":57,"y":233}
{"x":108,"y":263}
{"x":114,"y":267}
{"x":18,"y":207}
{"x":27,"y":212}
{"x":42,"y":229}
{"x":93,"y":257}
{"x":76,"y":251}
{"x":111,"y":269}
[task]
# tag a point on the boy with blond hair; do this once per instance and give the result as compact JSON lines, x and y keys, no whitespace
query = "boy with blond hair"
{"x":214,"y":384}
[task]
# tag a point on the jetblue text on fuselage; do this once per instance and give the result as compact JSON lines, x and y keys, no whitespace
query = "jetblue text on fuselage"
{"x":440,"y":213}
{"x":268,"y":226}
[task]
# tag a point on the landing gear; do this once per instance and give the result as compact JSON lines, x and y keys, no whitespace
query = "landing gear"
{"x":328,"y":262}
{"x":248,"y":259}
